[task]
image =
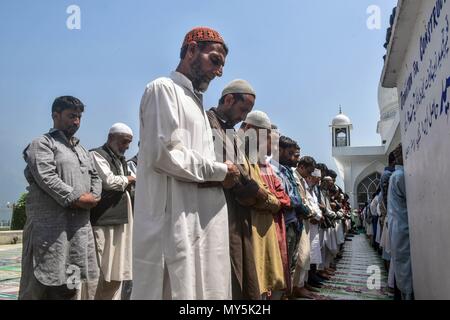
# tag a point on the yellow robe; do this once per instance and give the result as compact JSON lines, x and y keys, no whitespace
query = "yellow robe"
{"x":266,"y":251}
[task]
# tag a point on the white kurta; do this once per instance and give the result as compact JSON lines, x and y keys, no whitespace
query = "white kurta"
{"x":340,"y":238}
{"x":329,"y":244}
{"x":114,"y":243}
{"x":373,"y":211}
{"x":315,"y":255}
{"x":178,"y":225}
{"x":368,"y":221}
{"x":379,"y":226}
{"x":330,"y":240}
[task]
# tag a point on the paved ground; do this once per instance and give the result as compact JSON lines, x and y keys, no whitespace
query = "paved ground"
{"x":10,"y":257}
{"x":350,"y":282}
{"x":352,"y":274}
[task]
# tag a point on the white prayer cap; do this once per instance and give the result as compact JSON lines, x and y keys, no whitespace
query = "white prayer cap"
{"x":317,"y":173}
{"x":238,"y":86}
{"x":258,"y":119}
{"x":120,"y":128}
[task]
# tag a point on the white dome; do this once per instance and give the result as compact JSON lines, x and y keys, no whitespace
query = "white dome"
{"x":341,"y":120}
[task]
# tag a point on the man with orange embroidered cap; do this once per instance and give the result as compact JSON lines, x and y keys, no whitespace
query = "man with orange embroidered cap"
{"x":180,"y":238}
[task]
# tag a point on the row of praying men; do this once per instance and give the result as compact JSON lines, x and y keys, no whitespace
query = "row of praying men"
{"x":204,"y":212}
{"x":385,"y":220}
{"x":77,"y":241}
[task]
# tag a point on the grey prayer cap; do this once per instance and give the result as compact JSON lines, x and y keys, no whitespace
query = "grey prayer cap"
{"x":238,"y":86}
{"x":258,"y":119}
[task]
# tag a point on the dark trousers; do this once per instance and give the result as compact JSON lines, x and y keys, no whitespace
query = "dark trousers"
{"x":397,"y":292}
{"x":374,"y":228}
{"x":127,"y":286}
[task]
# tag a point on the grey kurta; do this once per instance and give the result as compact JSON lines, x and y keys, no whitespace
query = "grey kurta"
{"x":58,"y":240}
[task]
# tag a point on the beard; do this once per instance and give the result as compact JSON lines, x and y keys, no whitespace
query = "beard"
{"x":311,"y":184}
{"x":70,"y":131}
{"x":116,"y":150}
{"x":229,"y":118}
{"x":288,"y":163}
{"x":200,"y":81}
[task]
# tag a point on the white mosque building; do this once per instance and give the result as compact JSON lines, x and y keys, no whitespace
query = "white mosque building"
{"x":361,"y":167}
{"x":414,"y":102}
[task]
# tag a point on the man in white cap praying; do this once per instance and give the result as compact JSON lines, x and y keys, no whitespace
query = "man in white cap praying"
{"x":112,"y":219}
{"x":314,"y":221}
{"x":237,"y":100}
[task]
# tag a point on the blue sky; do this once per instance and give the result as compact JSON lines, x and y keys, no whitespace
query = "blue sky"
{"x":303,"y":57}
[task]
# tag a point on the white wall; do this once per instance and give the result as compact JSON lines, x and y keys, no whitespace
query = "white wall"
{"x":425,"y":134}
{"x":356,"y":170}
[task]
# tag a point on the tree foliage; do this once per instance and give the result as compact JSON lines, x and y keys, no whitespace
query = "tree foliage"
{"x":19,"y":217}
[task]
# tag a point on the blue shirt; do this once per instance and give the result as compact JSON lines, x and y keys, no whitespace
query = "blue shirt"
{"x":384,"y":183}
{"x":399,"y":230}
{"x":290,"y":186}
